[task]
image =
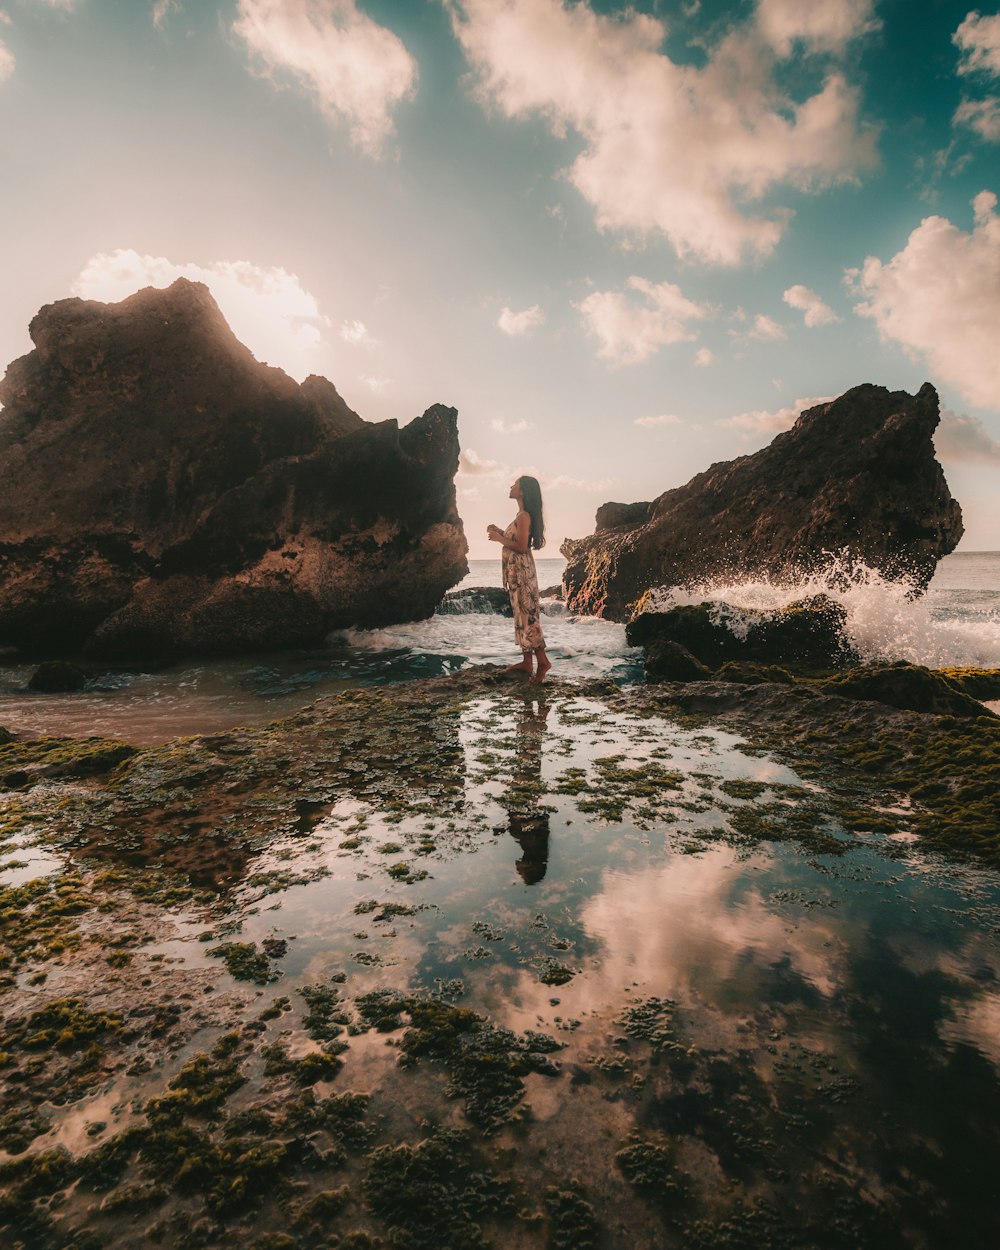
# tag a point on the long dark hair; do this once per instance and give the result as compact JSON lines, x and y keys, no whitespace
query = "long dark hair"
{"x":531,"y":497}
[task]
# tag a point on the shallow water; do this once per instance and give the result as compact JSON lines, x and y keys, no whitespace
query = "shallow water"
{"x":813,"y":1015}
{"x":198,"y":697}
{"x":956,"y":623}
{"x":810,"y":1033}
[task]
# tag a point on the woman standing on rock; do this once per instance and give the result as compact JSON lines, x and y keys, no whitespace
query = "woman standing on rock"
{"x":527,"y":530}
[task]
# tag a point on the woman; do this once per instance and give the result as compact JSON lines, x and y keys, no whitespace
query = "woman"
{"x":527,"y":530}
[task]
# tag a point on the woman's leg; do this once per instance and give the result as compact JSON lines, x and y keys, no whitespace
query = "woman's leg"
{"x":519,"y":608}
{"x":544,"y":664}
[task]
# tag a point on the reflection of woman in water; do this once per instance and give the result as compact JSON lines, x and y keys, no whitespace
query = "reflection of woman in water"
{"x":529,"y":825}
{"x":527,"y":530}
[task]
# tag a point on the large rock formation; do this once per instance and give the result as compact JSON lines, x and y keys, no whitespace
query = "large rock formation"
{"x":165,"y":493}
{"x":855,"y":475}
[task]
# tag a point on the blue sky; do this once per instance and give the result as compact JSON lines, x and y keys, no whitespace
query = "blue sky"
{"x":624,"y":241}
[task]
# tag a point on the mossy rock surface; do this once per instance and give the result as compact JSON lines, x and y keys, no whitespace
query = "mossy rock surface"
{"x":25,"y":761}
{"x":749,"y":673}
{"x":980,"y":683}
{"x":946,"y":765}
{"x":667,"y":660}
{"x":232,"y":1141}
{"x":908,"y":686}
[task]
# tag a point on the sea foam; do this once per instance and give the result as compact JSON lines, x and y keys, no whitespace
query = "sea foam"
{"x":886,"y":619}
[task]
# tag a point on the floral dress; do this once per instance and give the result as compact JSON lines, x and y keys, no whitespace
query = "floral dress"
{"x":521,"y":583}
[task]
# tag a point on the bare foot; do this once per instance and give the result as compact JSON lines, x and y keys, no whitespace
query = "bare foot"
{"x":518,"y":668}
{"x":543,"y":668}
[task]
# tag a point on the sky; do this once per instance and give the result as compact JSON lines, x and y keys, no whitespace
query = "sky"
{"x":624,"y":241}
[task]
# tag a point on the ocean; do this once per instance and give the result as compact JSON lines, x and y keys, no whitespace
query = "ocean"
{"x":957,"y":622}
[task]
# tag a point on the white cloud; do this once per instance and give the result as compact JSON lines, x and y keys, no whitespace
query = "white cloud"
{"x":267,"y":309}
{"x":978,"y":41}
{"x":162,"y":10}
{"x":356,"y":70}
{"x":819,"y":25}
{"x":940,"y":299}
{"x":471,"y":464}
{"x":663,"y":419}
{"x":704,"y":357}
{"x":593,"y":486}
{"x":356,"y":333}
{"x":817,"y":313}
{"x":515,"y":323}
{"x":760,"y":421}
{"x":6,"y":56}
{"x":374,"y":384}
{"x":516,"y":427}
{"x":683,"y":150}
{"x":765,"y":329}
{"x":629,"y":331}
{"x":982,"y":116}
{"x":961,"y":439}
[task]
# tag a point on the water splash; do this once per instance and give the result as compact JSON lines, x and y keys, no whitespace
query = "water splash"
{"x":886,"y":619}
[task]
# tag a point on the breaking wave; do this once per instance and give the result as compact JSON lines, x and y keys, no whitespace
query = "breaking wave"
{"x":886,"y":619}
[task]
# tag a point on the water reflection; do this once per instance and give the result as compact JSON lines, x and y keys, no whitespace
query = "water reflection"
{"x":529,"y":823}
{"x":813,"y":1036}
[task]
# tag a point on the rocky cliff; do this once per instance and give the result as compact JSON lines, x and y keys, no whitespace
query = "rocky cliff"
{"x":856,"y":475}
{"x":165,"y":493}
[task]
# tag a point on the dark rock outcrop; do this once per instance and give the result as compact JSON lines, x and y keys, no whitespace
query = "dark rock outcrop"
{"x":667,"y":660}
{"x":57,"y":677}
{"x":489,"y":600}
{"x":855,"y":475}
{"x":807,"y":634}
{"x":165,"y":493}
{"x":750,"y":673}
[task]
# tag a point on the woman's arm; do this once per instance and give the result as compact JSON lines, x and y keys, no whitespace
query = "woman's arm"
{"x":522,"y":534}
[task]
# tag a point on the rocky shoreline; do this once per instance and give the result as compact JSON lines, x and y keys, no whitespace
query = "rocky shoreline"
{"x":179,"y":1068}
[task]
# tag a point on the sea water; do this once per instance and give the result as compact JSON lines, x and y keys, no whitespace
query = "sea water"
{"x":957,"y":622}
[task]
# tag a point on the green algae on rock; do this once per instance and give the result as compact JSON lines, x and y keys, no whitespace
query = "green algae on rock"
{"x":486,"y":1064}
{"x":573,"y":1223}
{"x":908,"y":686}
{"x":245,"y":962}
{"x":650,"y":1166}
{"x":25,"y":761}
{"x":435,"y":1194}
{"x":866,"y":754}
{"x":681,"y":642}
{"x":980,"y":683}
